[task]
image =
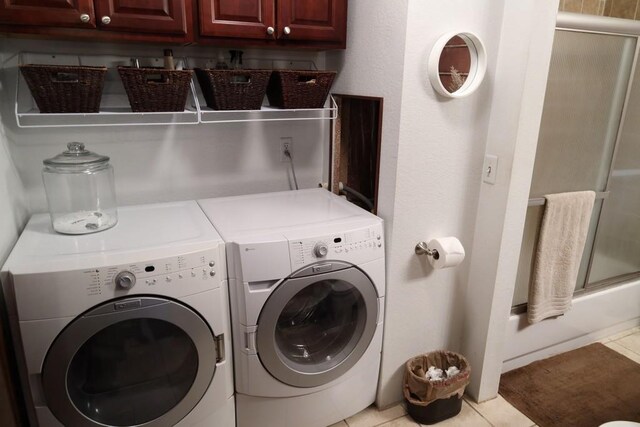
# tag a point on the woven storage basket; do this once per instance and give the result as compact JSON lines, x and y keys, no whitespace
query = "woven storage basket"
{"x":299,"y":89}
{"x":233,"y":89}
{"x":155,"y":89}
{"x":65,"y":88}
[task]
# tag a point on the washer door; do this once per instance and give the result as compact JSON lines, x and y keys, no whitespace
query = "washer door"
{"x":132,"y":362}
{"x":313,"y":329}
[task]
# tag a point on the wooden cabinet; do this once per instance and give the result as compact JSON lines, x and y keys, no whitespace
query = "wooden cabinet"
{"x":314,"y":20}
{"x":302,"y":23}
{"x":149,"y":16}
{"x":63,"y":13}
{"x":316,"y":24}
{"x":239,"y":19}
{"x":134,"y":20}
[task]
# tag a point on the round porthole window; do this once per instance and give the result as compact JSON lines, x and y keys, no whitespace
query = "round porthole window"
{"x":457,"y":64}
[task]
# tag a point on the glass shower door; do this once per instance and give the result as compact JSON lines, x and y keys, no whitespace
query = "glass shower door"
{"x":586,"y":89}
{"x":616,"y":254}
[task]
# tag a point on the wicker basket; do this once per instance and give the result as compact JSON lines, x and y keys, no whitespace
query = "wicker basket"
{"x":299,"y":89}
{"x":155,"y":89}
{"x":233,"y":89}
{"x":65,"y":89}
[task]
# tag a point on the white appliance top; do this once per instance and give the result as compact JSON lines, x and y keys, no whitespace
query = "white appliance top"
{"x":276,"y":214}
{"x":143,"y":232}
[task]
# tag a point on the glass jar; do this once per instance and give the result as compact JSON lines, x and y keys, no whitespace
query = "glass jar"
{"x":80,"y":191}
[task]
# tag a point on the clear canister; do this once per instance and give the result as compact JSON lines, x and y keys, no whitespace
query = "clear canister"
{"x":80,"y":191}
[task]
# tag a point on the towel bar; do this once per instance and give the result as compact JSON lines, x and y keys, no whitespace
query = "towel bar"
{"x":540,"y":201}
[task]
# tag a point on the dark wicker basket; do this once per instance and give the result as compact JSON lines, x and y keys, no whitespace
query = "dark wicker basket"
{"x":65,"y":88}
{"x":233,"y":89}
{"x":155,"y":89}
{"x":299,"y":89}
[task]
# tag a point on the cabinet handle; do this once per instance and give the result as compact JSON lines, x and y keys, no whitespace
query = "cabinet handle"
{"x":85,"y":18}
{"x":286,"y":30}
{"x":270,"y":30}
{"x":106,"y":20}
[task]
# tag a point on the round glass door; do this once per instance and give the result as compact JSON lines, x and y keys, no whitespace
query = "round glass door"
{"x":132,"y":372}
{"x":313,"y":329}
{"x":148,"y":365}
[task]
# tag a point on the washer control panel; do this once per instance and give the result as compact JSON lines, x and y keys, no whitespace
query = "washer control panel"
{"x":356,"y":246}
{"x":174,"y":270}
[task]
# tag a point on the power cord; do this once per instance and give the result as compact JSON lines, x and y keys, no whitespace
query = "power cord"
{"x":293,"y":170}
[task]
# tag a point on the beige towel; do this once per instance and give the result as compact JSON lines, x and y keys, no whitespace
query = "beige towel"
{"x":565,"y":224}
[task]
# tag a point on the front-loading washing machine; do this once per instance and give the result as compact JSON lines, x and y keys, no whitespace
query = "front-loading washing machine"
{"x":125,"y":327}
{"x":306,"y":283}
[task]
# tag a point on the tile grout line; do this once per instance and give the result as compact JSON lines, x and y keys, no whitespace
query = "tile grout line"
{"x":480,"y":413}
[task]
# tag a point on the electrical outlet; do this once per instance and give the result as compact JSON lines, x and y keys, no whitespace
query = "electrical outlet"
{"x":286,"y":144}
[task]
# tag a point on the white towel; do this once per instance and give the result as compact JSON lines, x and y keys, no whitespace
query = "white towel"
{"x":565,"y":224}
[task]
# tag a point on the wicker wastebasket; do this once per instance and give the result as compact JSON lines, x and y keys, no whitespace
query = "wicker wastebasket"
{"x":156,"y":89}
{"x":431,"y":401}
{"x":233,"y":89}
{"x":292,"y":89}
{"x":65,"y":88}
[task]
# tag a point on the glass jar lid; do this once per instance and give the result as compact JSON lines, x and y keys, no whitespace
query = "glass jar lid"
{"x":77,"y":157}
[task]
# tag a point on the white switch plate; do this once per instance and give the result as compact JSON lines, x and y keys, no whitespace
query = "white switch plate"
{"x":490,"y":169}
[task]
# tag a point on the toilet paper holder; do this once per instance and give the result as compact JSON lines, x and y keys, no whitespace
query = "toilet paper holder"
{"x":423,"y":249}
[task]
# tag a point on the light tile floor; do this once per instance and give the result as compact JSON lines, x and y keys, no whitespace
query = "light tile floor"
{"x":497,"y":412}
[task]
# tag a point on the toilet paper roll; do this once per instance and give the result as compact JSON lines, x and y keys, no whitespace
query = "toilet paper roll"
{"x":450,"y":252}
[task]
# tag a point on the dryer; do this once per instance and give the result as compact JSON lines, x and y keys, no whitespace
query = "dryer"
{"x":124,"y":327}
{"x":307,"y":283}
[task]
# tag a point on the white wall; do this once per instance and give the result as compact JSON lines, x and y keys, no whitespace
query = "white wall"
{"x":163,"y":163}
{"x":432,"y":152}
{"x":516,"y":108}
{"x":13,"y":215}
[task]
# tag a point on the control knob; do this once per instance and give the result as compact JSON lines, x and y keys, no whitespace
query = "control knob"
{"x":321,"y":250}
{"x":125,"y":280}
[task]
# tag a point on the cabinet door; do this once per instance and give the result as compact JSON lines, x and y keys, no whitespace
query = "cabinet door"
{"x":144,"y":16}
{"x":63,"y":13}
{"x":245,"y":19}
{"x":313,"y":20}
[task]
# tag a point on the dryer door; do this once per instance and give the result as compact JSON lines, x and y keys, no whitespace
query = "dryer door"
{"x":313,"y":329}
{"x":142,"y":361}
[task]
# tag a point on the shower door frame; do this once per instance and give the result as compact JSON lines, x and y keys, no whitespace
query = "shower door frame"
{"x":581,"y":23}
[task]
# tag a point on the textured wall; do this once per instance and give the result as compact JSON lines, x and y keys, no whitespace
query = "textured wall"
{"x":628,"y":9}
{"x":166,"y":163}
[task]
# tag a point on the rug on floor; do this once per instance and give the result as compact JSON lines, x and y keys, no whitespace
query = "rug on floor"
{"x":582,"y":388}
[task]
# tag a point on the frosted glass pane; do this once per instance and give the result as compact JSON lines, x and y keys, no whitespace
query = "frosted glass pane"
{"x":588,"y":79}
{"x":617,"y":249}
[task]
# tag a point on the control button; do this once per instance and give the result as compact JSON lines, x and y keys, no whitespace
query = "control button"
{"x":378,"y":237}
{"x":168,"y":279}
{"x":379,"y":245}
{"x":321,"y":250}
{"x":180,"y":276}
{"x":338,"y":250}
{"x":193,"y":274}
{"x":212,"y":264}
{"x":125,"y":280}
{"x":212,"y":273}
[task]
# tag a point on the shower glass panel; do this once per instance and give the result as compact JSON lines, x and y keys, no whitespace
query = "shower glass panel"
{"x":617,"y":247}
{"x":586,"y":89}
{"x":588,"y":79}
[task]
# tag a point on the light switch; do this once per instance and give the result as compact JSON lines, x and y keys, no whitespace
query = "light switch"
{"x":490,"y":169}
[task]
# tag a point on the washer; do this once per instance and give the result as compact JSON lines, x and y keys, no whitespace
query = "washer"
{"x":124,"y":327}
{"x":307,"y":282}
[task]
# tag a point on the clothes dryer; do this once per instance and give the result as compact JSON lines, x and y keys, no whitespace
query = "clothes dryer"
{"x":126,"y":327}
{"x":307,"y":283}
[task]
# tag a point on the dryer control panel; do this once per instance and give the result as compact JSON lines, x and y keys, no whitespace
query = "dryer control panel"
{"x":66,"y":293}
{"x":355,"y":246}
